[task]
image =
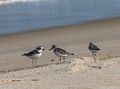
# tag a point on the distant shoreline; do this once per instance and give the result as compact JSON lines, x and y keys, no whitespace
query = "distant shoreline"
{"x":62,"y":26}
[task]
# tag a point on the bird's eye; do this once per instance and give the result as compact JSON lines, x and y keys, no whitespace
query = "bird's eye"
{"x":38,"y":48}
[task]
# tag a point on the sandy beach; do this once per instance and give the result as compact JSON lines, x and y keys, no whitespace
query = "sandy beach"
{"x":75,"y":73}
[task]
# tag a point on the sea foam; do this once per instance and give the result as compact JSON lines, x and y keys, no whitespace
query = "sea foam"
{"x":20,"y":1}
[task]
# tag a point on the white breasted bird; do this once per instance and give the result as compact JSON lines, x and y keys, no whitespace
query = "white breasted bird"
{"x":34,"y":54}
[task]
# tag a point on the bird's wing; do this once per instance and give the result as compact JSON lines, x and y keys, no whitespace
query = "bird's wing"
{"x":61,"y":51}
{"x":33,"y":52}
{"x":94,"y":47}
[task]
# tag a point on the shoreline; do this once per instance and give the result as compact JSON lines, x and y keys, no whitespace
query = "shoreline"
{"x":111,"y":19}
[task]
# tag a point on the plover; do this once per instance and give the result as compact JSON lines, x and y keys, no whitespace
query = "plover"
{"x":60,"y":52}
{"x":93,"y":48}
{"x":34,"y":54}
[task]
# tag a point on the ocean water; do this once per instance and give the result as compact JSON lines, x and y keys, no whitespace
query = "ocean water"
{"x":25,"y":15}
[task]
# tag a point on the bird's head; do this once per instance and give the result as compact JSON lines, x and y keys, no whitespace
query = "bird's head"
{"x":53,"y":47}
{"x":90,"y":43}
{"x":40,"y":48}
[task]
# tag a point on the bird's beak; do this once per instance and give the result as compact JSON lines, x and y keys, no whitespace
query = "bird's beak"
{"x":50,"y":49}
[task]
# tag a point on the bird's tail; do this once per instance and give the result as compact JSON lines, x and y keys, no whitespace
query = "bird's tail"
{"x":24,"y":54}
{"x":99,"y":49}
{"x":71,"y":54}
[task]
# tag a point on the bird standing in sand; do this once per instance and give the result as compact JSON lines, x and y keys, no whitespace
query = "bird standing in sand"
{"x":93,"y":49}
{"x":34,"y":54}
{"x":60,"y":52}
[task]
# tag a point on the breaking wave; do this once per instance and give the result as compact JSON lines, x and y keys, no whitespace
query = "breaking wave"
{"x":21,"y":1}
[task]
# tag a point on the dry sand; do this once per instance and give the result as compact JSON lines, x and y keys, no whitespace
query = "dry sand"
{"x":74,"y":75}
{"x":78,"y":74}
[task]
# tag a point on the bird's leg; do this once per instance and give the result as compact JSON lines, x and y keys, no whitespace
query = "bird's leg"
{"x":94,"y":54}
{"x":60,"y":59}
{"x":94,"y":59}
{"x":64,"y":59}
{"x":33,"y":62}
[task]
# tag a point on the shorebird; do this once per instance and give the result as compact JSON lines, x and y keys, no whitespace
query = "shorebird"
{"x":60,"y":52}
{"x":93,"y":48}
{"x":34,"y":54}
